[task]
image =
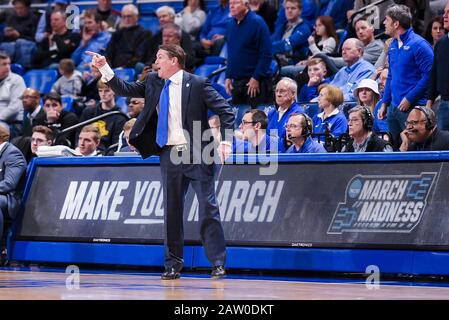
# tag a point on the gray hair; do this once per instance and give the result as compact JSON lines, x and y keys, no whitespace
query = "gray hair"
{"x":400,"y":13}
{"x":358,"y":43}
{"x":131,"y":8}
{"x":291,"y":84}
{"x":166,"y":9}
{"x":175,"y":27}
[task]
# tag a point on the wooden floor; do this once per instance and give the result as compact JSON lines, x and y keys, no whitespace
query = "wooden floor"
{"x":35,"y":285}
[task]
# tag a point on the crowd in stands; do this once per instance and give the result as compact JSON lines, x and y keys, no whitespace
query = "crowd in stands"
{"x":315,"y":75}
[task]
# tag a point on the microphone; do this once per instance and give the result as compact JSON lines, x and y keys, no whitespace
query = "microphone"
{"x":290,"y":137}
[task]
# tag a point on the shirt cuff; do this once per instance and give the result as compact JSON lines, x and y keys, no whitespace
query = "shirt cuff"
{"x":226,"y":143}
{"x":107,"y":73}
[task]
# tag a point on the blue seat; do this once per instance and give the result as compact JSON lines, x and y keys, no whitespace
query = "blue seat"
{"x":311,"y":109}
{"x":17,"y":69}
{"x":150,"y":22}
{"x":239,"y":111}
{"x":120,"y":102}
{"x":67,"y":103}
{"x":42,"y":79}
{"x":126,"y":74}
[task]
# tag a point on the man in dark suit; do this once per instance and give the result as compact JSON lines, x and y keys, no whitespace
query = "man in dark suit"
{"x":176,"y":108}
{"x":12,"y":167}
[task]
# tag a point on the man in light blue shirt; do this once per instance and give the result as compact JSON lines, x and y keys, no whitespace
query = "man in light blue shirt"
{"x":357,"y":69}
{"x":299,"y":130}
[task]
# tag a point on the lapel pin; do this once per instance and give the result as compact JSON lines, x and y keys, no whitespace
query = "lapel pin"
{"x":187,"y":85}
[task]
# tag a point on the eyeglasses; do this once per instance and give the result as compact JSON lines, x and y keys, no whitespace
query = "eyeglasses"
{"x":248,"y":122}
{"x":354,"y":120}
{"x":128,"y":16}
{"x":292,"y":126}
{"x":413,"y":122}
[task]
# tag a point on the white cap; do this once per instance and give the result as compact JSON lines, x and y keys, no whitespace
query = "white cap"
{"x":367,"y":83}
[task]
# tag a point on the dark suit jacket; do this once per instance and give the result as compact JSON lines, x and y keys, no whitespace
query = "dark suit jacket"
{"x":12,"y":168}
{"x":198,"y":97}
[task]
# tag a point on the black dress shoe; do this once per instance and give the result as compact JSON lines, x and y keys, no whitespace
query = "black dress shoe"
{"x":170,"y":274}
{"x":218,"y":272}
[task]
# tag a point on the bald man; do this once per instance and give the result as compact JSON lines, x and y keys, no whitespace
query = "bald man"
{"x":32,"y":109}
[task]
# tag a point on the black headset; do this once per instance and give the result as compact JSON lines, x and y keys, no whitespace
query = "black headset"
{"x":430,"y":124}
{"x":307,"y":130}
{"x":367,"y":118}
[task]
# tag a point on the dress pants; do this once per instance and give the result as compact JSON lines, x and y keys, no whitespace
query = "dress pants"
{"x":175,"y":184}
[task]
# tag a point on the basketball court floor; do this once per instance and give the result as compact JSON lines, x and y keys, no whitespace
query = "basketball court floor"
{"x":39,"y":283}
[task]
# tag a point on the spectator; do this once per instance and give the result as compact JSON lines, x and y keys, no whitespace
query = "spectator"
{"x":372,"y":48}
{"x":93,"y":38}
{"x":44,"y":25}
{"x":127,"y":127}
{"x":11,"y":88}
{"x":110,"y":17}
{"x":18,"y":37}
{"x":135,"y":107}
{"x":192,"y":17}
{"x":173,"y":35}
{"x":434,"y":30}
{"x":439,"y":77}
{"x":309,"y":12}
{"x":32,"y":109}
{"x":356,"y":68}
{"x":421,"y":132}
{"x":13,"y":167}
{"x":255,"y":137}
{"x":127,"y":44}
{"x":266,"y":11}
{"x":289,"y":41}
{"x":331,"y":120}
{"x":326,"y":36}
{"x":361,"y":132}
{"x":57,"y":119}
{"x":327,"y":39}
{"x":382,"y":61}
{"x":299,"y":131}
{"x":285,"y":94}
{"x":60,"y":43}
{"x":214,"y":29}
{"x":71,"y":82}
{"x":410,"y":59}
{"x":248,"y":78}
{"x":367,"y":95}
{"x":110,"y":127}
{"x":42,"y":136}
{"x":89,"y":140}
{"x":316,"y":70}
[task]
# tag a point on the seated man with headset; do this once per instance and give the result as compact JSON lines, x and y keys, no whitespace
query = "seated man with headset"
{"x":421,"y":132}
{"x":299,"y":130}
{"x":360,"y":126}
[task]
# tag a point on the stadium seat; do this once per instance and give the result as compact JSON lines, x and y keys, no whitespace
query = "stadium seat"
{"x":311,"y":109}
{"x":239,"y":111}
{"x":41,"y":79}
{"x":127,"y":74}
{"x":122,"y":104}
{"x":17,"y":69}
{"x":67,"y":103}
{"x":151,"y":23}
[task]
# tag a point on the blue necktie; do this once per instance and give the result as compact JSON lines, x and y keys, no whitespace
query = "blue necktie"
{"x":162,"y":121}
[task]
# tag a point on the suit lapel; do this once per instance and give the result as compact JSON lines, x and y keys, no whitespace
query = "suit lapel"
{"x":186,"y":85}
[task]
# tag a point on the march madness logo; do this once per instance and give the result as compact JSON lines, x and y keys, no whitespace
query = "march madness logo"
{"x":383,"y":203}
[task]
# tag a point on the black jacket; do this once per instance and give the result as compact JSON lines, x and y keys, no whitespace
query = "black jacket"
{"x":375,"y":144}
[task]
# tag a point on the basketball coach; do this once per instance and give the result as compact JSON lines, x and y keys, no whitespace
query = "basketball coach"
{"x":176,"y":103}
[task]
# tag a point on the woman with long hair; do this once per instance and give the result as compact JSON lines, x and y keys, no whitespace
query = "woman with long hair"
{"x":434,"y":31}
